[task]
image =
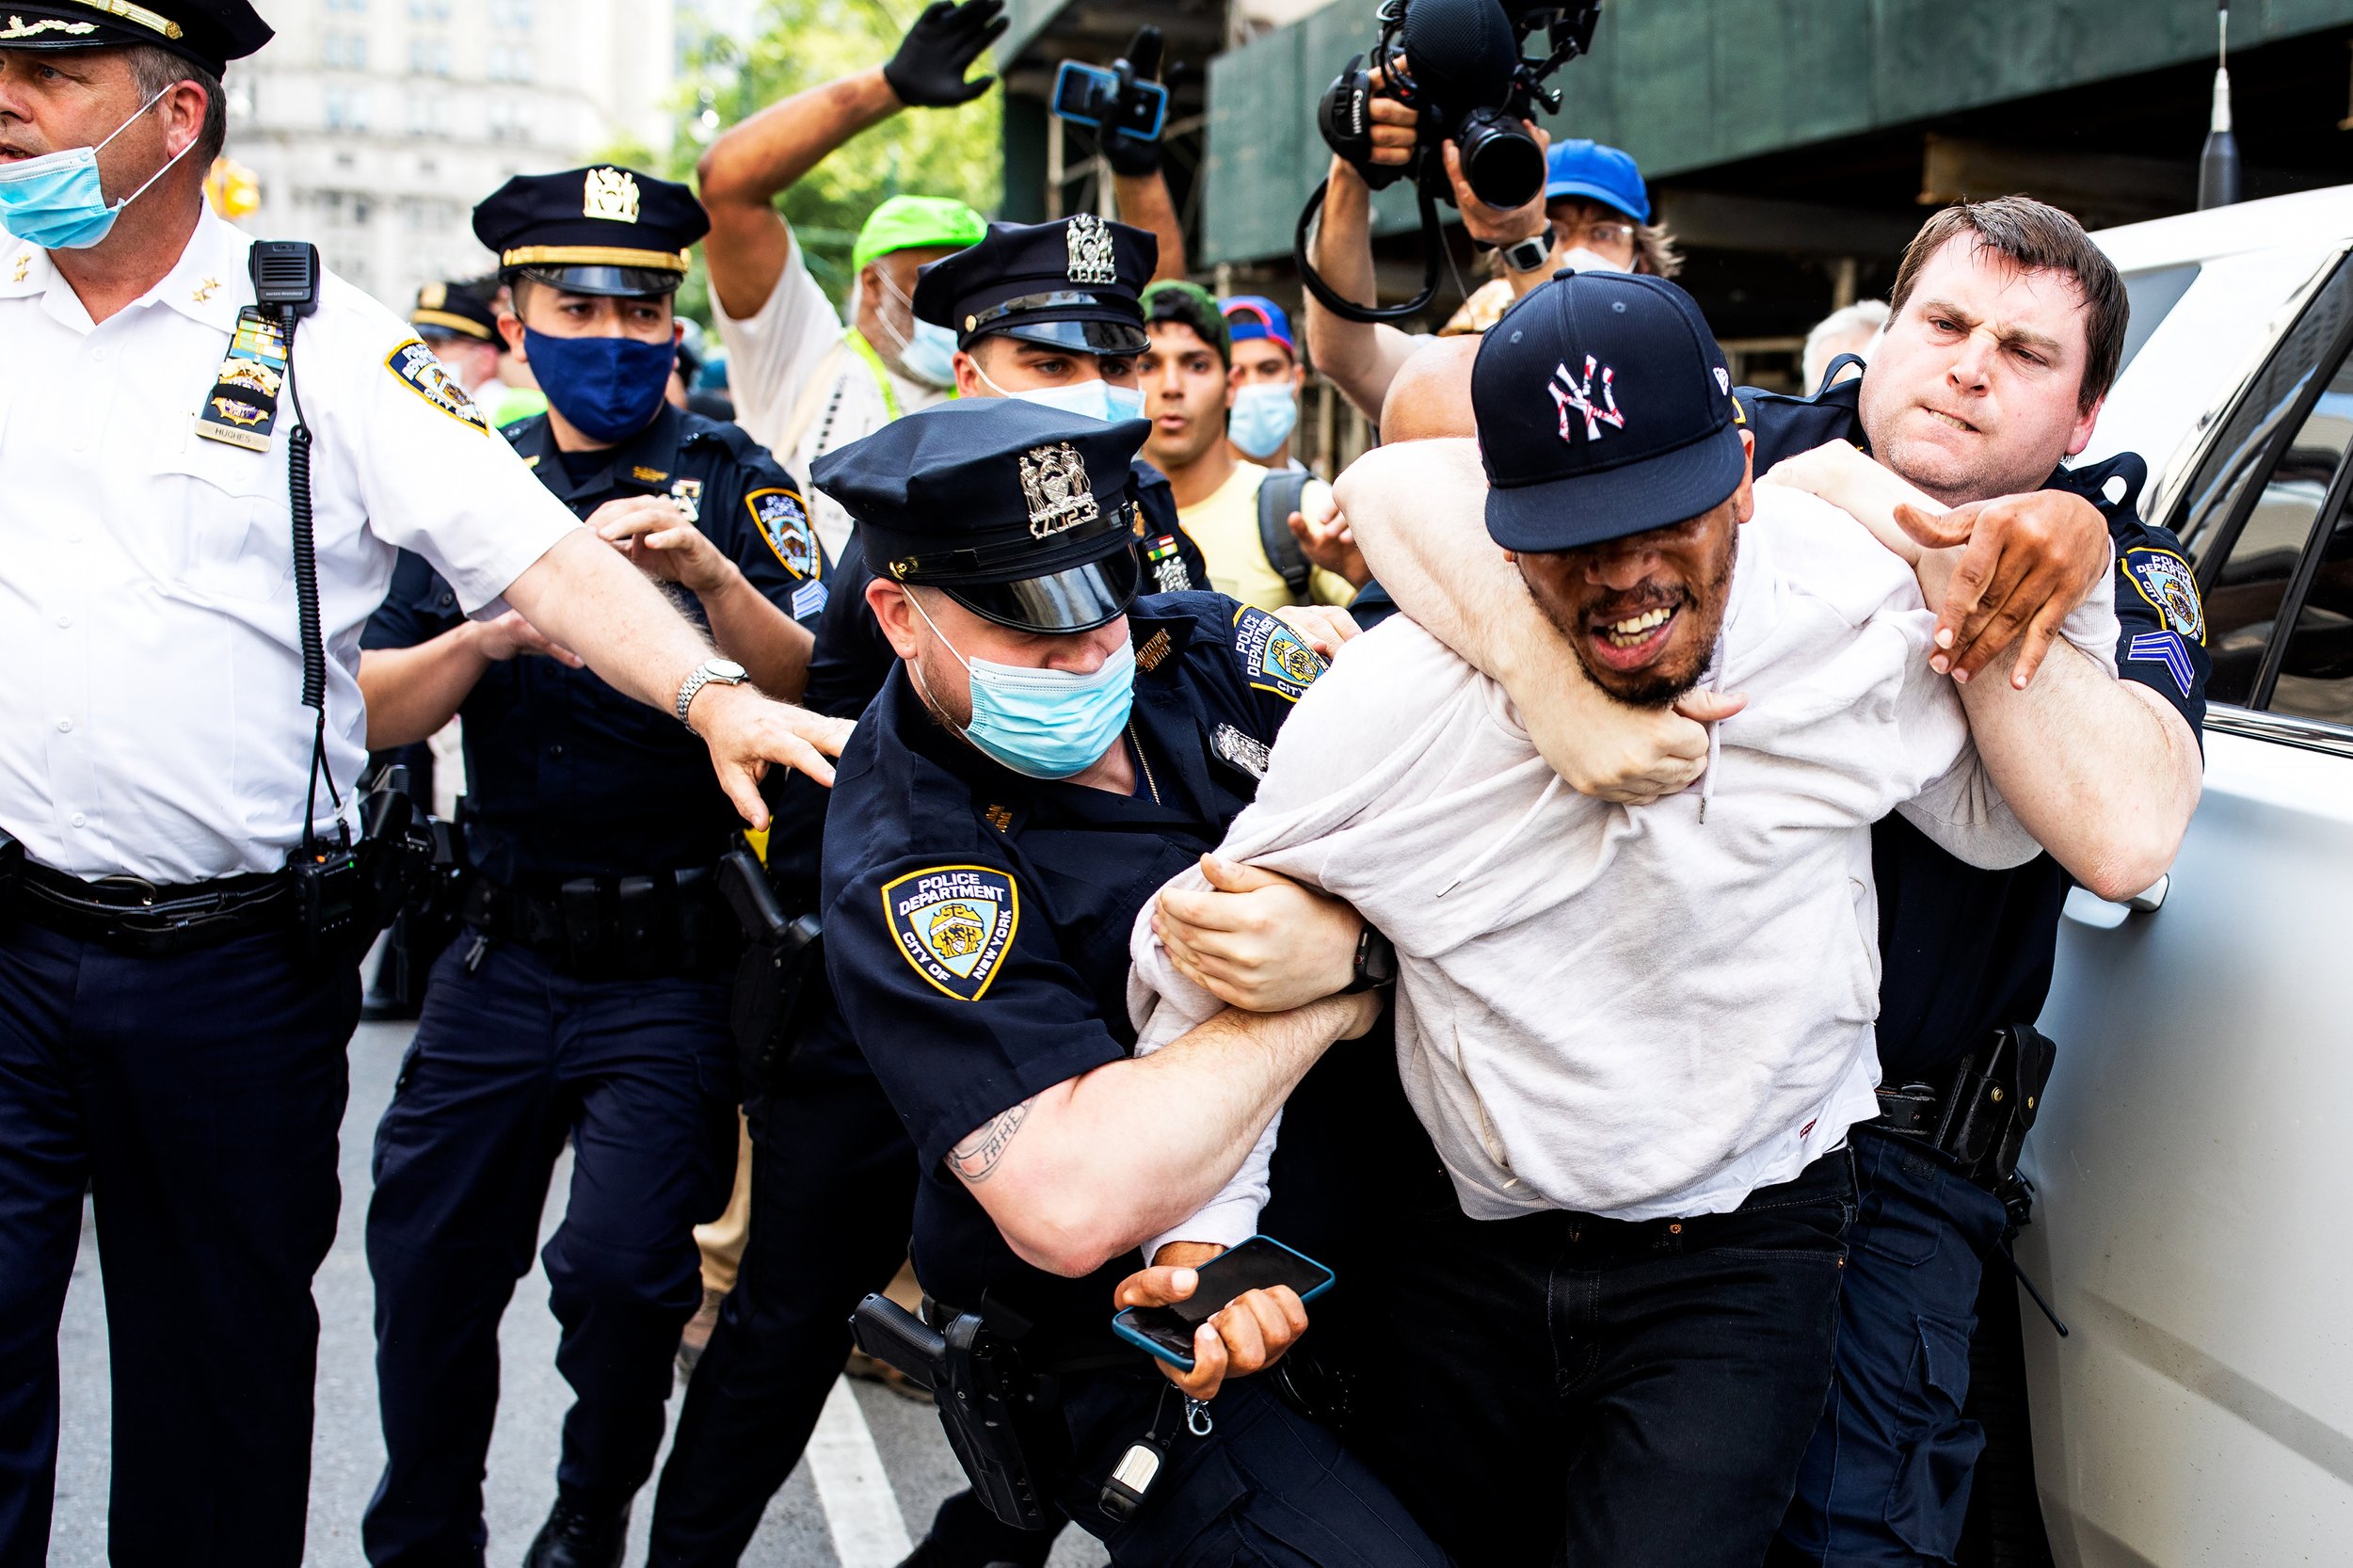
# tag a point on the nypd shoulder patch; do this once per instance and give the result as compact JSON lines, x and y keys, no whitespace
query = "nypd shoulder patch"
{"x":952,"y":925}
{"x":2166,"y":580}
{"x":1274,"y":658}
{"x":783,"y":522}
{"x":415,"y":367}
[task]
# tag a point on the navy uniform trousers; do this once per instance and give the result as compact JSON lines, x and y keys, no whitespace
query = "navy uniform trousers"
{"x":833,"y":1201}
{"x":1886,"y":1479}
{"x":509,"y":1061}
{"x":198,"y":1097}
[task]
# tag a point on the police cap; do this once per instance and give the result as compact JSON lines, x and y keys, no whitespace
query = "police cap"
{"x":206,"y":33}
{"x":593,"y":231}
{"x":1022,"y":513}
{"x":1073,"y":283}
{"x":454,"y":309}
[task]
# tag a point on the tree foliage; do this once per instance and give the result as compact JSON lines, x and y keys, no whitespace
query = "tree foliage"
{"x":798,"y":44}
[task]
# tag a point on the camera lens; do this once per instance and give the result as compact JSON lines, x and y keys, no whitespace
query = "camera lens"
{"x":1502,"y":161}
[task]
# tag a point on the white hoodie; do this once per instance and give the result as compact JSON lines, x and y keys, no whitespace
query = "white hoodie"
{"x":1632,"y":1012}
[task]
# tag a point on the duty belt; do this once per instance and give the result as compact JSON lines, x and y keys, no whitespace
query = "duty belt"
{"x":612,"y":928}
{"x":147,"y":919}
{"x":1981,"y":1114}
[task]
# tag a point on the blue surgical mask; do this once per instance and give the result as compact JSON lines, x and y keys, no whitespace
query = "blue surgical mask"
{"x":930,"y":354}
{"x":1096,"y":399}
{"x":927,"y":351}
{"x":1044,"y":723}
{"x":1263,"y":419}
{"x":55,"y":201}
{"x":609,"y":388}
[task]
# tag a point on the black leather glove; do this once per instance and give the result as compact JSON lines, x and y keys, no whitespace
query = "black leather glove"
{"x":928,"y":70}
{"x":1130,"y":154}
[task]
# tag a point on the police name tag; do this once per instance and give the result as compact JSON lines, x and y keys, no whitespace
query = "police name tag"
{"x":242,"y":407}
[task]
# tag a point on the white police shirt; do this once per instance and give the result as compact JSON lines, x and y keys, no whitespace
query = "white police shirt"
{"x":774,"y":358}
{"x":151,"y":722}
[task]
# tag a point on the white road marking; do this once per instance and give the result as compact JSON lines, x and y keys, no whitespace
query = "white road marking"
{"x":861,"y":1509}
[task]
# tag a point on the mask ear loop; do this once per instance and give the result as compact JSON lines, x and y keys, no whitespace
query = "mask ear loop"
{"x":168,"y":163}
{"x":915,"y":666}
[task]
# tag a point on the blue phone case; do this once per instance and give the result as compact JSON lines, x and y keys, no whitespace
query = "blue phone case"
{"x":1183,"y":1363}
{"x":1080,"y":67}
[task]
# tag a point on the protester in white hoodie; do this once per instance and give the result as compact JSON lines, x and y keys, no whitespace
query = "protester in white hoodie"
{"x":1636,"y":1035}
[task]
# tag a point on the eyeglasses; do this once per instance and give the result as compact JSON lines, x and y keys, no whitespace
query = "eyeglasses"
{"x":1600,"y":235}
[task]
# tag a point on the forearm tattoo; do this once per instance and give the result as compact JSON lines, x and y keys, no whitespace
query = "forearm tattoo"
{"x":976,"y":1159}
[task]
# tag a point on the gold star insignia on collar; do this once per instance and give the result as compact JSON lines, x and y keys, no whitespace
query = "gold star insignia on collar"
{"x":205,"y":290}
{"x":23,"y":267}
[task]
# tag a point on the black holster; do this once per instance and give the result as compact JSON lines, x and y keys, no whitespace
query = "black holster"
{"x":998,"y":1414}
{"x":778,"y":978}
{"x":346,"y":895}
{"x":1980,"y":1116}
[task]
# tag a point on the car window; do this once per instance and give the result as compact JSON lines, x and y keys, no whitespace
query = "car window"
{"x":2316,"y":665}
{"x":2244,"y":595}
{"x":2152,"y":293}
{"x":2214,"y":501}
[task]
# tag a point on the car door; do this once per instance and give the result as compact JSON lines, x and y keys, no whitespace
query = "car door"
{"x":2192,"y":1157}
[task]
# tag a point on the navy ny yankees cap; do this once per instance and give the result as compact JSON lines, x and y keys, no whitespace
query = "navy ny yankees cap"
{"x":1603,"y":410}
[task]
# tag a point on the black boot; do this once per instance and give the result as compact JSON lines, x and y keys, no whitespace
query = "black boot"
{"x":575,"y":1538}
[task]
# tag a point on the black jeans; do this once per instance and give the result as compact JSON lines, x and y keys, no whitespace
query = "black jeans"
{"x":1559,"y":1388}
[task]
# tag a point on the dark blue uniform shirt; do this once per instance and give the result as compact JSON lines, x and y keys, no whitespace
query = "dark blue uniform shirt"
{"x":565,"y":777}
{"x":1963,"y":951}
{"x":977,"y":921}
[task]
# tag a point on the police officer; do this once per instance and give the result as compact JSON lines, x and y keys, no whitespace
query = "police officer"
{"x":1966,"y":954}
{"x":1051,"y":313}
{"x":1050,"y":749}
{"x":177,"y":980}
{"x":587,"y":996}
{"x":833,"y":1174}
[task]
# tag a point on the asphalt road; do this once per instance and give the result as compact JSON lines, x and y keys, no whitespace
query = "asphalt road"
{"x":876,"y":1470}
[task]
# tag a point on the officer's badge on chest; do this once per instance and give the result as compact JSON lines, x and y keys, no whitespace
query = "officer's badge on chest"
{"x":688,"y":493}
{"x":242,"y":407}
{"x":783,"y":522}
{"x":953,"y":924}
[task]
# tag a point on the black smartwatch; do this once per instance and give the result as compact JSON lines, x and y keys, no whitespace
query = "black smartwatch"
{"x":1527,"y":255}
{"x":1376,"y":963}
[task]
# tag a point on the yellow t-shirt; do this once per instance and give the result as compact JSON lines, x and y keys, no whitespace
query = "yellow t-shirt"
{"x":1225,"y":526}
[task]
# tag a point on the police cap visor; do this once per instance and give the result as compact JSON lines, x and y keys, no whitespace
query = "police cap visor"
{"x":1076,"y":599}
{"x":1079,"y":336}
{"x":619,"y":282}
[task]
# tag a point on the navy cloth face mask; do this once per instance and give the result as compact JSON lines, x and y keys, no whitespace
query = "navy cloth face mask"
{"x":609,"y":388}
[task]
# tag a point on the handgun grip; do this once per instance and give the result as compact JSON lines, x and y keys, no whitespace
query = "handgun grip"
{"x":890,"y":1334}
{"x":744,"y":882}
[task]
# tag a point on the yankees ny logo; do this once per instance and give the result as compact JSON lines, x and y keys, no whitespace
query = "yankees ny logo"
{"x":1569,"y":393}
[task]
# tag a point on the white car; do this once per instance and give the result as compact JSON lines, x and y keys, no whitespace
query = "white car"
{"x":2194,"y":1225}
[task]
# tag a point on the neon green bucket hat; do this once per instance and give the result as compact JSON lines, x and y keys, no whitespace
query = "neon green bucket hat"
{"x":917,"y":223}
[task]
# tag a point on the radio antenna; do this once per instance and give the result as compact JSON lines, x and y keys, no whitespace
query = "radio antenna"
{"x":2217,"y":166}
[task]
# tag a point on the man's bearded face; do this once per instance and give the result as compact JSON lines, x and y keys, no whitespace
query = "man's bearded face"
{"x":1644,"y":612}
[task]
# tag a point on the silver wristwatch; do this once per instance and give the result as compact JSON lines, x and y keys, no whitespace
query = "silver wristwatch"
{"x":727,"y":672}
{"x":1529,"y":254}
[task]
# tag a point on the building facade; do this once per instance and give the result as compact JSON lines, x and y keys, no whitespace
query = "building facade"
{"x":373,"y":127}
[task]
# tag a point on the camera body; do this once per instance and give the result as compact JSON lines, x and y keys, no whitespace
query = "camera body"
{"x":1460,"y":65}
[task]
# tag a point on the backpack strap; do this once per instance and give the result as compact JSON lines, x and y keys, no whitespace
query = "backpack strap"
{"x":1278,"y":498}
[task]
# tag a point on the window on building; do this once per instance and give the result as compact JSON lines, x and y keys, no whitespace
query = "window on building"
{"x":346,"y":51}
{"x":346,"y":109}
{"x":429,"y":57}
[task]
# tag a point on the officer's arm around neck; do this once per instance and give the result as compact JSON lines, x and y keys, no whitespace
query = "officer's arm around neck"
{"x":1417,"y":512}
{"x":1100,"y":1163}
{"x":2104,"y":773}
{"x":584,"y":595}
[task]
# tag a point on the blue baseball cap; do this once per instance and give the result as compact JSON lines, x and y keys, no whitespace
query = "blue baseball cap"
{"x":1254,"y":315}
{"x":1603,"y":410}
{"x":1591,"y":172}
